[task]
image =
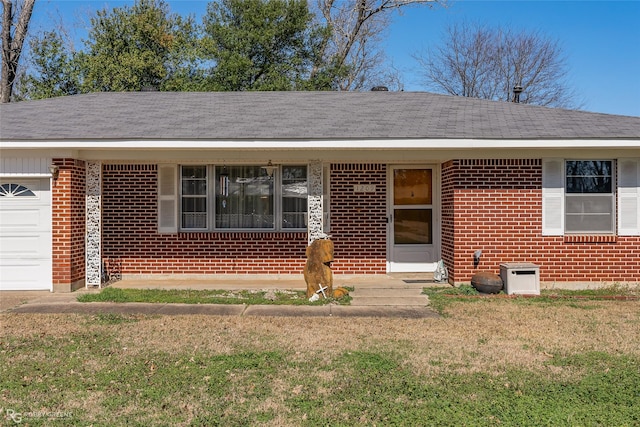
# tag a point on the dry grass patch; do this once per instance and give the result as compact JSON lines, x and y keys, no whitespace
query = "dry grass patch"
{"x":208,"y":370}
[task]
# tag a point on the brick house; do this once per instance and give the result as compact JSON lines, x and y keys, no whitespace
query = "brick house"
{"x":160,"y":183}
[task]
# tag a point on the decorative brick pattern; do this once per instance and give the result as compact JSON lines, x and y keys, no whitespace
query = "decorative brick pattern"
{"x":496,"y":206}
{"x":68,"y":209}
{"x":587,"y":238}
{"x":358,"y":220}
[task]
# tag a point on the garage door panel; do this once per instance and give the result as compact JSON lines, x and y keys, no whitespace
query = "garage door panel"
{"x":24,"y":275}
{"x":25,"y":234}
{"x":35,"y":245}
{"x":21,"y":219}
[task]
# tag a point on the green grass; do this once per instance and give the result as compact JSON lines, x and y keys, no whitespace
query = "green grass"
{"x":190,"y":296}
{"x":366,"y":386}
{"x":442,"y":297}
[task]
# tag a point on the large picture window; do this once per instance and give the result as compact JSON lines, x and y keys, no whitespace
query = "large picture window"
{"x":242,"y":197}
{"x":589,"y":196}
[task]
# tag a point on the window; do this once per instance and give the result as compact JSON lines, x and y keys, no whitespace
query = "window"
{"x":194,"y":197}
{"x":242,"y":197}
{"x":294,"y":196}
{"x":589,"y":196}
{"x":15,"y":190}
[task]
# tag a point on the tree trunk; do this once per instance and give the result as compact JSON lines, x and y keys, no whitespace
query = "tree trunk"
{"x":12,"y":44}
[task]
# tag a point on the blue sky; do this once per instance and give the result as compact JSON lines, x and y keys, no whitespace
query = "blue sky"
{"x":601,"y":39}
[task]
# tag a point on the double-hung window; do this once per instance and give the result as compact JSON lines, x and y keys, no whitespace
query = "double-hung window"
{"x":597,"y":197}
{"x":194,"y":197}
{"x":242,"y":197}
{"x":294,"y":196}
{"x":589,"y":196}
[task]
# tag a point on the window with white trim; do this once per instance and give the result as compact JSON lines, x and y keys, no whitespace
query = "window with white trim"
{"x":242,"y":197}
{"x":589,"y":196}
{"x":294,"y":196}
{"x":193,"y":207}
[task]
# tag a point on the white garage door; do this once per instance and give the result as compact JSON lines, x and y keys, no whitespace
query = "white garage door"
{"x":25,"y":234}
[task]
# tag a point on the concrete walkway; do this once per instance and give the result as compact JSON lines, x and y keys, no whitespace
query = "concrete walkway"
{"x":373,"y":296}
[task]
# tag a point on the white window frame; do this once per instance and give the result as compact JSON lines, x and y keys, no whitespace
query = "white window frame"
{"x":211,"y":201}
{"x":207,"y":198}
{"x":626,"y":189}
{"x":611,"y":196}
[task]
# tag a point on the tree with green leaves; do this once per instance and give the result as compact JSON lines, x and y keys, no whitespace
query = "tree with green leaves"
{"x":130,"y":48}
{"x":264,"y":45}
{"x":54,"y":69}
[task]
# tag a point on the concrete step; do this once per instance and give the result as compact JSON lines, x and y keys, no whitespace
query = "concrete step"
{"x":385,"y":292}
{"x":389,"y":285}
{"x":391,"y":301}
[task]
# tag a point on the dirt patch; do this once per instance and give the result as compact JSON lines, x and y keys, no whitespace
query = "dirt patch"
{"x":10,"y":299}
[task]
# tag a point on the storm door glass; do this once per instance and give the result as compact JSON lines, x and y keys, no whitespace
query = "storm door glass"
{"x":412,"y":207}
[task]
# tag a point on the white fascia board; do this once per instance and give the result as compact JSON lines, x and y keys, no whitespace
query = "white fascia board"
{"x":351,"y":144}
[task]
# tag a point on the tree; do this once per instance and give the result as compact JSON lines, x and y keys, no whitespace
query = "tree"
{"x":481,"y":62}
{"x":264,"y":45}
{"x":357,"y":28}
{"x":134,"y":47}
{"x":14,"y":32}
{"x":54,"y":71}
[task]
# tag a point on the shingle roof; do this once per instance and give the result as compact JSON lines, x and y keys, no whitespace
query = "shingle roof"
{"x":298,"y":115}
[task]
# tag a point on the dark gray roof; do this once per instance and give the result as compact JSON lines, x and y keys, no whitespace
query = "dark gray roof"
{"x":298,"y":115}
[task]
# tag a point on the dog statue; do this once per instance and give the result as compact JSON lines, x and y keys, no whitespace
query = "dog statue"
{"x":317,"y":270}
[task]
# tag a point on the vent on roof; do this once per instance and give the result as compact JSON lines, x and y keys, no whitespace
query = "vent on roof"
{"x":517,"y":90}
{"x":380,"y":89}
{"x":149,"y":88}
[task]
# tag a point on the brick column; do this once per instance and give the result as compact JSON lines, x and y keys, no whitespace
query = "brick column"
{"x":68,"y":225}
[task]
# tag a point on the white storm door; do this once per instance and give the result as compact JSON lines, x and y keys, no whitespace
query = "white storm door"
{"x":412,"y":245}
{"x":25,"y":234}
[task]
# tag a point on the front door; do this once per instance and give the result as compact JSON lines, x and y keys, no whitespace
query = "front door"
{"x":413,"y":232}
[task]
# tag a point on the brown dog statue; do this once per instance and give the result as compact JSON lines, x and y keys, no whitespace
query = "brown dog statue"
{"x":317,"y":270}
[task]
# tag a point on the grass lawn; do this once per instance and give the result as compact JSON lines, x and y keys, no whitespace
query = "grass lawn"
{"x":486,"y":362}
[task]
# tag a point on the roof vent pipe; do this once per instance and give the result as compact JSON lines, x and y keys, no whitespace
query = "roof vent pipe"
{"x":517,"y":90}
{"x":380,"y":89}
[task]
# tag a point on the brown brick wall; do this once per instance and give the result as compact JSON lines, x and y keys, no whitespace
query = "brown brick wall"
{"x":358,"y":229}
{"x":130,"y":235}
{"x":496,"y":206}
{"x":493,"y":205}
{"x":358,"y":220}
{"x":68,"y":199}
